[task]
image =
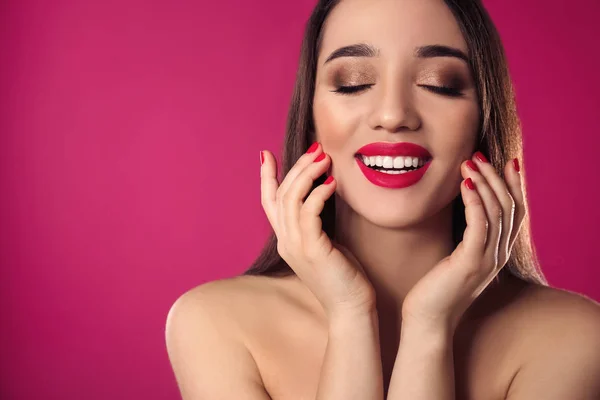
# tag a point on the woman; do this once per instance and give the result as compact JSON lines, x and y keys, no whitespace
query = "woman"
{"x":401,"y":265}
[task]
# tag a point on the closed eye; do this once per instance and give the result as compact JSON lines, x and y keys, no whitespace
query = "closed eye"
{"x":351,"y":89}
{"x":444,"y":90}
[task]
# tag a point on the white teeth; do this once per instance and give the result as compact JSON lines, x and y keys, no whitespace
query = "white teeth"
{"x":393,"y":162}
{"x":388,"y":162}
{"x":398,"y":162}
{"x":394,"y":172}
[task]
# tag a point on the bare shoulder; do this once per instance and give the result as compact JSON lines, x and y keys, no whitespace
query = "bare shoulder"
{"x":244,"y":302}
{"x":206,"y":340}
{"x":553,"y":313}
{"x":229,"y":297}
{"x":546,"y":316}
{"x":560,"y":345}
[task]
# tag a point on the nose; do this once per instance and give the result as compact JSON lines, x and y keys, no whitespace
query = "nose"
{"x":393,"y":109}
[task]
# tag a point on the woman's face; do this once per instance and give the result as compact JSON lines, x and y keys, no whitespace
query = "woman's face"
{"x":398,"y":105}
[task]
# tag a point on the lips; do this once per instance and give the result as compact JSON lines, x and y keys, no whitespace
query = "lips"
{"x":394,"y":150}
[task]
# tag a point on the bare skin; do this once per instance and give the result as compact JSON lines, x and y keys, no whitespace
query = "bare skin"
{"x":267,"y":339}
{"x":261,"y":338}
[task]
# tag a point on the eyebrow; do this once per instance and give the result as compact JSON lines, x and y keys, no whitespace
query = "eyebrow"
{"x":367,"y":50}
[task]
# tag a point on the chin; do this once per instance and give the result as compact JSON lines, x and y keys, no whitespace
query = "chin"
{"x":392,"y":215}
{"x":384,"y":211}
{"x":396,"y":209}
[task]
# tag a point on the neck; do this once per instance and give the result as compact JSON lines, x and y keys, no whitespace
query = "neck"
{"x":394,"y":259}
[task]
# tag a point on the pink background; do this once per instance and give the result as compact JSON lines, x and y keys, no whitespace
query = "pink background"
{"x":130,"y":133}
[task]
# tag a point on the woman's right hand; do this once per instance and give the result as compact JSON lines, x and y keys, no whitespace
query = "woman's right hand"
{"x":329,"y":270}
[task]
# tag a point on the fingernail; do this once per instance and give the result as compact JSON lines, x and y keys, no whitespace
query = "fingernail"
{"x":472,"y":165}
{"x":469,"y":184}
{"x":320,"y":157}
{"x":312,"y":148}
{"x":516,"y":164}
{"x":481,"y":157}
{"x":328,"y":180}
{"x":262,"y":158}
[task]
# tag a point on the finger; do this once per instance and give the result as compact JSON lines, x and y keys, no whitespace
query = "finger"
{"x":514,"y":182}
{"x":305,"y":159}
{"x":310,"y":222}
{"x":268,"y":187}
{"x":293,"y":198}
{"x":474,"y":240}
{"x":493,"y":211}
{"x":505,"y":199}
{"x":314,"y":151}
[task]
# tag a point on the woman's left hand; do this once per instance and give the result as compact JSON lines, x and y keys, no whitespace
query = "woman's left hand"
{"x":494,"y":211}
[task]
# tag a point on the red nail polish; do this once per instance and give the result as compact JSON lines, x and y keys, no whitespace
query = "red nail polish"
{"x":516,"y":164}
{"x":481,"y":157}
{"x":313,"y":148}
{"x":262,"y":158}
{"x":469,"y":184}
{"x":320,"y":157}
{"x":472,"y":165}
{"x":328,"y":180}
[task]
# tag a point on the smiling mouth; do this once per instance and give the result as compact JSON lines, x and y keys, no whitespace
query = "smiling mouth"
{"x":393,"y":165}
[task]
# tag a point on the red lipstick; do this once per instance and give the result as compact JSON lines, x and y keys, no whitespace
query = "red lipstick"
{"x":393,"y":181}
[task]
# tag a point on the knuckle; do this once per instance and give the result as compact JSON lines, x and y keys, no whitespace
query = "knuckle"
{"x":482,"y":219}
{"x":496,"y":211}
{"x":511,"y":201}
{"x":281,"y":249}
{"x":263,"y":201}
{"x":285,"y":198}
{"x":475,"y":201}
{"x":278,"y":196}
{"x":305,"y":159}
{"x":289,"y":197}
{"x":306,"y":211}
{"x":509,"y":204}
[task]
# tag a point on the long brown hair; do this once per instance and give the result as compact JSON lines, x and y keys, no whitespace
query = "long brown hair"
{"x":500,"y":130}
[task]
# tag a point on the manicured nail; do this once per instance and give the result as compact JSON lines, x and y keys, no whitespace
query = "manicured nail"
{"x":313,"y":147}
{"x":320,"y":157}
{"x":516,"y":164}
{"x":481,"y":157}
{"x":328,"y":180}
{"x":472,"y":165}
{"x":469,"y":184}
{"x":262,"y":158}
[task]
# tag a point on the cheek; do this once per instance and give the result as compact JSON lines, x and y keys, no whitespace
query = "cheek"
{"x":334,"y":123}
{"x":456,"y":133}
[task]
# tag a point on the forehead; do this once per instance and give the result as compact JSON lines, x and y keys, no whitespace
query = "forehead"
{"x":394,"y":26}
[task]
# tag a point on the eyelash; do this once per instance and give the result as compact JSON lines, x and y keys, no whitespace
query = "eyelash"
{"x":444,"y":90}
